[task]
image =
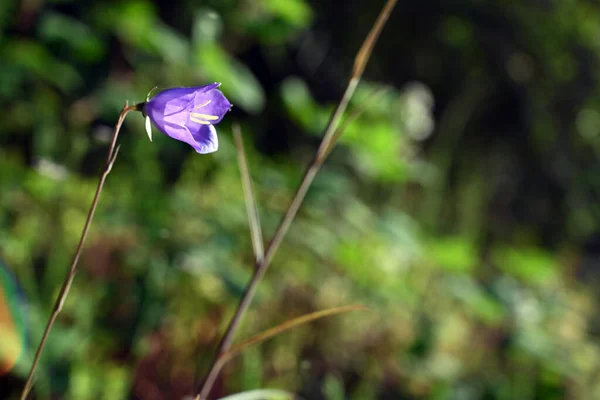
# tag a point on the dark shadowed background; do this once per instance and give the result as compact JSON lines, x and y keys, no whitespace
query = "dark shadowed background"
{"x":462,"y":207}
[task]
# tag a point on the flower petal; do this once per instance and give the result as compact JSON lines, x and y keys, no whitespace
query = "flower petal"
{"x":149,"y":128}
{"x":188,"y":114}
{"x":206,"y":88}
{"x":211,"y":105}
{"x":205,"y":139}
{"x":178,"y":132}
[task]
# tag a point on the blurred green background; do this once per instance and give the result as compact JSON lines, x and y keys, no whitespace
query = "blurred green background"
{"x":462,"y":207}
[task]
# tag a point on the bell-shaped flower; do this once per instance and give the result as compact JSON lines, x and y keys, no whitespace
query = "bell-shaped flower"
{"x":188,"y":115}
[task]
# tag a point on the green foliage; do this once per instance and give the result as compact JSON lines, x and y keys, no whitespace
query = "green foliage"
{"x":532,"y":265}
{"x":242,"y":88}
{"x":432,"y":210}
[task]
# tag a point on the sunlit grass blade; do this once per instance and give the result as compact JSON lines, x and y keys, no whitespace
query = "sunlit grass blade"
{"x":251,"y":204}
{"x":262,"y":394}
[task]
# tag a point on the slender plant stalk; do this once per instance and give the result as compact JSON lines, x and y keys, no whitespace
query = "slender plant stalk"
{"x":261,"y":267}
{"x":250,"y":199}
{"x":113,"y":151}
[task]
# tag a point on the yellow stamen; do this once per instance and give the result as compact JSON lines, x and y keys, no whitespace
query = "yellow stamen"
{"x":207,"y":102}
{"x":205,"y":116}
{"x":199,"y":121}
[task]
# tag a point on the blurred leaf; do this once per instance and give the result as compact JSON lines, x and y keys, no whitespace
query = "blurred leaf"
{"x":116,"y":382}
{"x":477,"y":300}
{"x":377,"y":144}
{"x":377,"y":149}
{"x":133,"y":20}
{"x":456,"y":31}
{"x":275,"y":21}
{"x":254,"y":368}
{"x":294,"y":12}
{"x":239,"y":84}
{"x":388,"y":100}
{"x":11,"y":77}
{"x":207,"y":27}
{"x":172,"y":46}
{"x":302,"y":108}
{"x":35,"y":59}
{"x":137,"y":23}
{"x":533,"y":265}
{"x":333,"y":388}
{"x":454,"y":253}
{"x":81,"y":40}
{"x":82,"y":383}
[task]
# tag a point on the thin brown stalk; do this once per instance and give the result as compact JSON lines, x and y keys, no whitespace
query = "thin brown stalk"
{"x":276,"y":330}
{"x":360,"y":62}
{"x":362,"y":58}
{"x":113,"y":151}
{"x":251,"y":205}
{"x":239,"y":348}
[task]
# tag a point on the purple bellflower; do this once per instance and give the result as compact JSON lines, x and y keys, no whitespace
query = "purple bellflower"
{"x":188,"y":115}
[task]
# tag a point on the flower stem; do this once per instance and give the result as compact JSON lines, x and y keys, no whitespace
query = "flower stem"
{"x":262,"y":266}
{"x":113,"y":151}
{"x":326,"y":145}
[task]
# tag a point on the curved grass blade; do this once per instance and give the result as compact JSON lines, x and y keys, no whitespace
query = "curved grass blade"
{"x":261,"y":394}
{"x":272,"y":332}
{"x":287,"y":325}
